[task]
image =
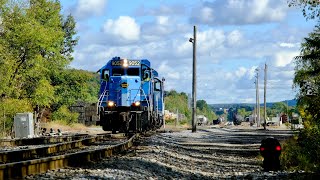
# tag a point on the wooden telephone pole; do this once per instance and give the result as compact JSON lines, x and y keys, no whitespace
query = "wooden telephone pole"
{"x":258,"y":100}
{"x":194,"y":79}
{"x":265,"y":96}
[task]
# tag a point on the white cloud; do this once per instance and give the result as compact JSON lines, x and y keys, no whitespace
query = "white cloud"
{"x":240,"y":72}
{"x":282,"y":59}
{"x":235,"y":38}
{"x":88,"y":8}
{"x":162,"y":27}
{"x":123,"y":30}
{"x":289,"y":45}
{"x":240,"y":12}
{"x":210,"y":40}
{"x":163,"y":20}
{"x":227,"y":56}
{"x":162,"y":10}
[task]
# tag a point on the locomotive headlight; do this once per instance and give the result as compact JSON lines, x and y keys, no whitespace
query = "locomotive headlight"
{"x":137,"y":103}
{"x":125,"y":63}
{"x":110,"y":104}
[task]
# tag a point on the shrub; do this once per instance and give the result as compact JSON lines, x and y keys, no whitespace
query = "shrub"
{"x":9,"y":107}
{"x":303,"y":151}
{"x":63,"y":114}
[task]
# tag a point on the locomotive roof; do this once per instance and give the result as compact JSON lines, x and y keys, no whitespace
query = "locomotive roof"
{"x":108,"y":64}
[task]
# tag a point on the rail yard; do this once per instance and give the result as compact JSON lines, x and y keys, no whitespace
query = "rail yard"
{"x":213,"y":152}
{"x":22,"y":157}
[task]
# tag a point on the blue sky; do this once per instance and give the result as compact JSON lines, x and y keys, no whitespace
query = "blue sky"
{"x":234,"y":38}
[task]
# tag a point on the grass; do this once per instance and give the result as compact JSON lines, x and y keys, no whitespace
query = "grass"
{"x":55,"y":125}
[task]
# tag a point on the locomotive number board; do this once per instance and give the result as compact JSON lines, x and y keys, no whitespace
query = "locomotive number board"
{"x":130,"y":63}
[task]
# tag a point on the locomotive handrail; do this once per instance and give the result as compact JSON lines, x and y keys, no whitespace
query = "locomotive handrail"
{"x":138,"y":91}
{"x":100,"y":100}
{"x":148,"y":104}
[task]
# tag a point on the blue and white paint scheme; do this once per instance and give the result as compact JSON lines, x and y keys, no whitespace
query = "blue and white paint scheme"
{"x":130,"y":96}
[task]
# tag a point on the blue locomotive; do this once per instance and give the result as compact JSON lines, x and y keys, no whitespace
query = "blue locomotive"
{"x":131,"y":96}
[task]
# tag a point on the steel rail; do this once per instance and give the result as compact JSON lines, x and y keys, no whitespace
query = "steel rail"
{"x":41,"y":165}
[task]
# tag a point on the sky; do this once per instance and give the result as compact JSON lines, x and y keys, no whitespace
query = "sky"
{"x":234,"y":38}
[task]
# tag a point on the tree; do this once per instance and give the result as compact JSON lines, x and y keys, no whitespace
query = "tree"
{"x":202,"y":104}
{"x":204,"y":109}
{"x":307,"y":71}
{"x":243,"y":112}
{"x":70,"y":41}
{"x":36,"y":43}
{"x":310,"y":8}
{"x":75,"y":85}
{"x":307,"y":79}
{"x":279,"y":107}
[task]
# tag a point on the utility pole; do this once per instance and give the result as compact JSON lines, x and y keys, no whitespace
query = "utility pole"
{"x":265,"y":96}
{"x":177,"y":119}
{"x":194,"y":98}
{"x":258,"y":101}
{"x":256,"y":107}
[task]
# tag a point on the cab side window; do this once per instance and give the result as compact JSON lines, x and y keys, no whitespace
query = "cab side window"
{"x":145,"y":75}
{"x":157,"y":86}
{"x":105,"y":74}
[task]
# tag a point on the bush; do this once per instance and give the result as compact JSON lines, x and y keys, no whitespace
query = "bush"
{"x":63,"y":114}
{"x":9,"y":107}
{"x":303,"y":151}
{"x":290,"y":152}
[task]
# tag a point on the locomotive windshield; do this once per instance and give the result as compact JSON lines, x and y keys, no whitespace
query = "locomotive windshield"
{"x":133,"y":72}
{"x":117,"y":72}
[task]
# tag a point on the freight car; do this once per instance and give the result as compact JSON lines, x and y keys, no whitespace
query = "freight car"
{"x":131,"y":96}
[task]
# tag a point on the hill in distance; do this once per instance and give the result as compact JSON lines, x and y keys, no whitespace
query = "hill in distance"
{"x":292,"y":102}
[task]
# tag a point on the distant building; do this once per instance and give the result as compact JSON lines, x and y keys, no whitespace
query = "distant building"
{"x":169,"y":115}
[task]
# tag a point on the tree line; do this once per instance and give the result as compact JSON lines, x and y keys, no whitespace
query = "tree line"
{"x":302,"y":152}
{"x":179,"y":102}
{"x":36,"y":46}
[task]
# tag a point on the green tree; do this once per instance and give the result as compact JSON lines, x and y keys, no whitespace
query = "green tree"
{"x":204,"y":109}
{"x":310,"y":8}
{"x":177,"y":101}
{"x":202,"y":104}
{"x":75,"y":85}
{"x":279,"y":107}
{"x":36,"y":43}
{"x":70,"y":41}
{"x":243,"y":112}
{"x":307,"y":72}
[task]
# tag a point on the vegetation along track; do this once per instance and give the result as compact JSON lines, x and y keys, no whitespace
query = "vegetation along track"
{"x":22,"y":162}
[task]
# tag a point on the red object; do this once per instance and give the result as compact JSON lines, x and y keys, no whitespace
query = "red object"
{"x":261,"y":148}
{"x":278,"y":148}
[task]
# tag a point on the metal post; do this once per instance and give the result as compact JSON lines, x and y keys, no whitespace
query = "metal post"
{"x":176,"y":121}
{"x":265,"y":96}
{"x":4,"y":122}
{"x":258,"y":100}
{"x":194,"y":99}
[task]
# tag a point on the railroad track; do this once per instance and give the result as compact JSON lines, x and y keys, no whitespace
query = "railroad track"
{"x":41,"y":140}
{"x":20,"y":163}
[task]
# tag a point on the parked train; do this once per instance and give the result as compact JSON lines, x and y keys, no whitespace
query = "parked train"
{"x":131,"y":96}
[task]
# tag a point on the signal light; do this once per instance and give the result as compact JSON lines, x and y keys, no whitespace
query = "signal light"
{"x":137,"y":103}
{"x":270,"y":150}
{"x":111,"y":104}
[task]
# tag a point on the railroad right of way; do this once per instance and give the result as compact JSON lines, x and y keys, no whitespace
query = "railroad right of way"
{"x":210,"y":153}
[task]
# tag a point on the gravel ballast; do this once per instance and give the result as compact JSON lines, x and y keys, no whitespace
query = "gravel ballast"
{"x":212,"y":153}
